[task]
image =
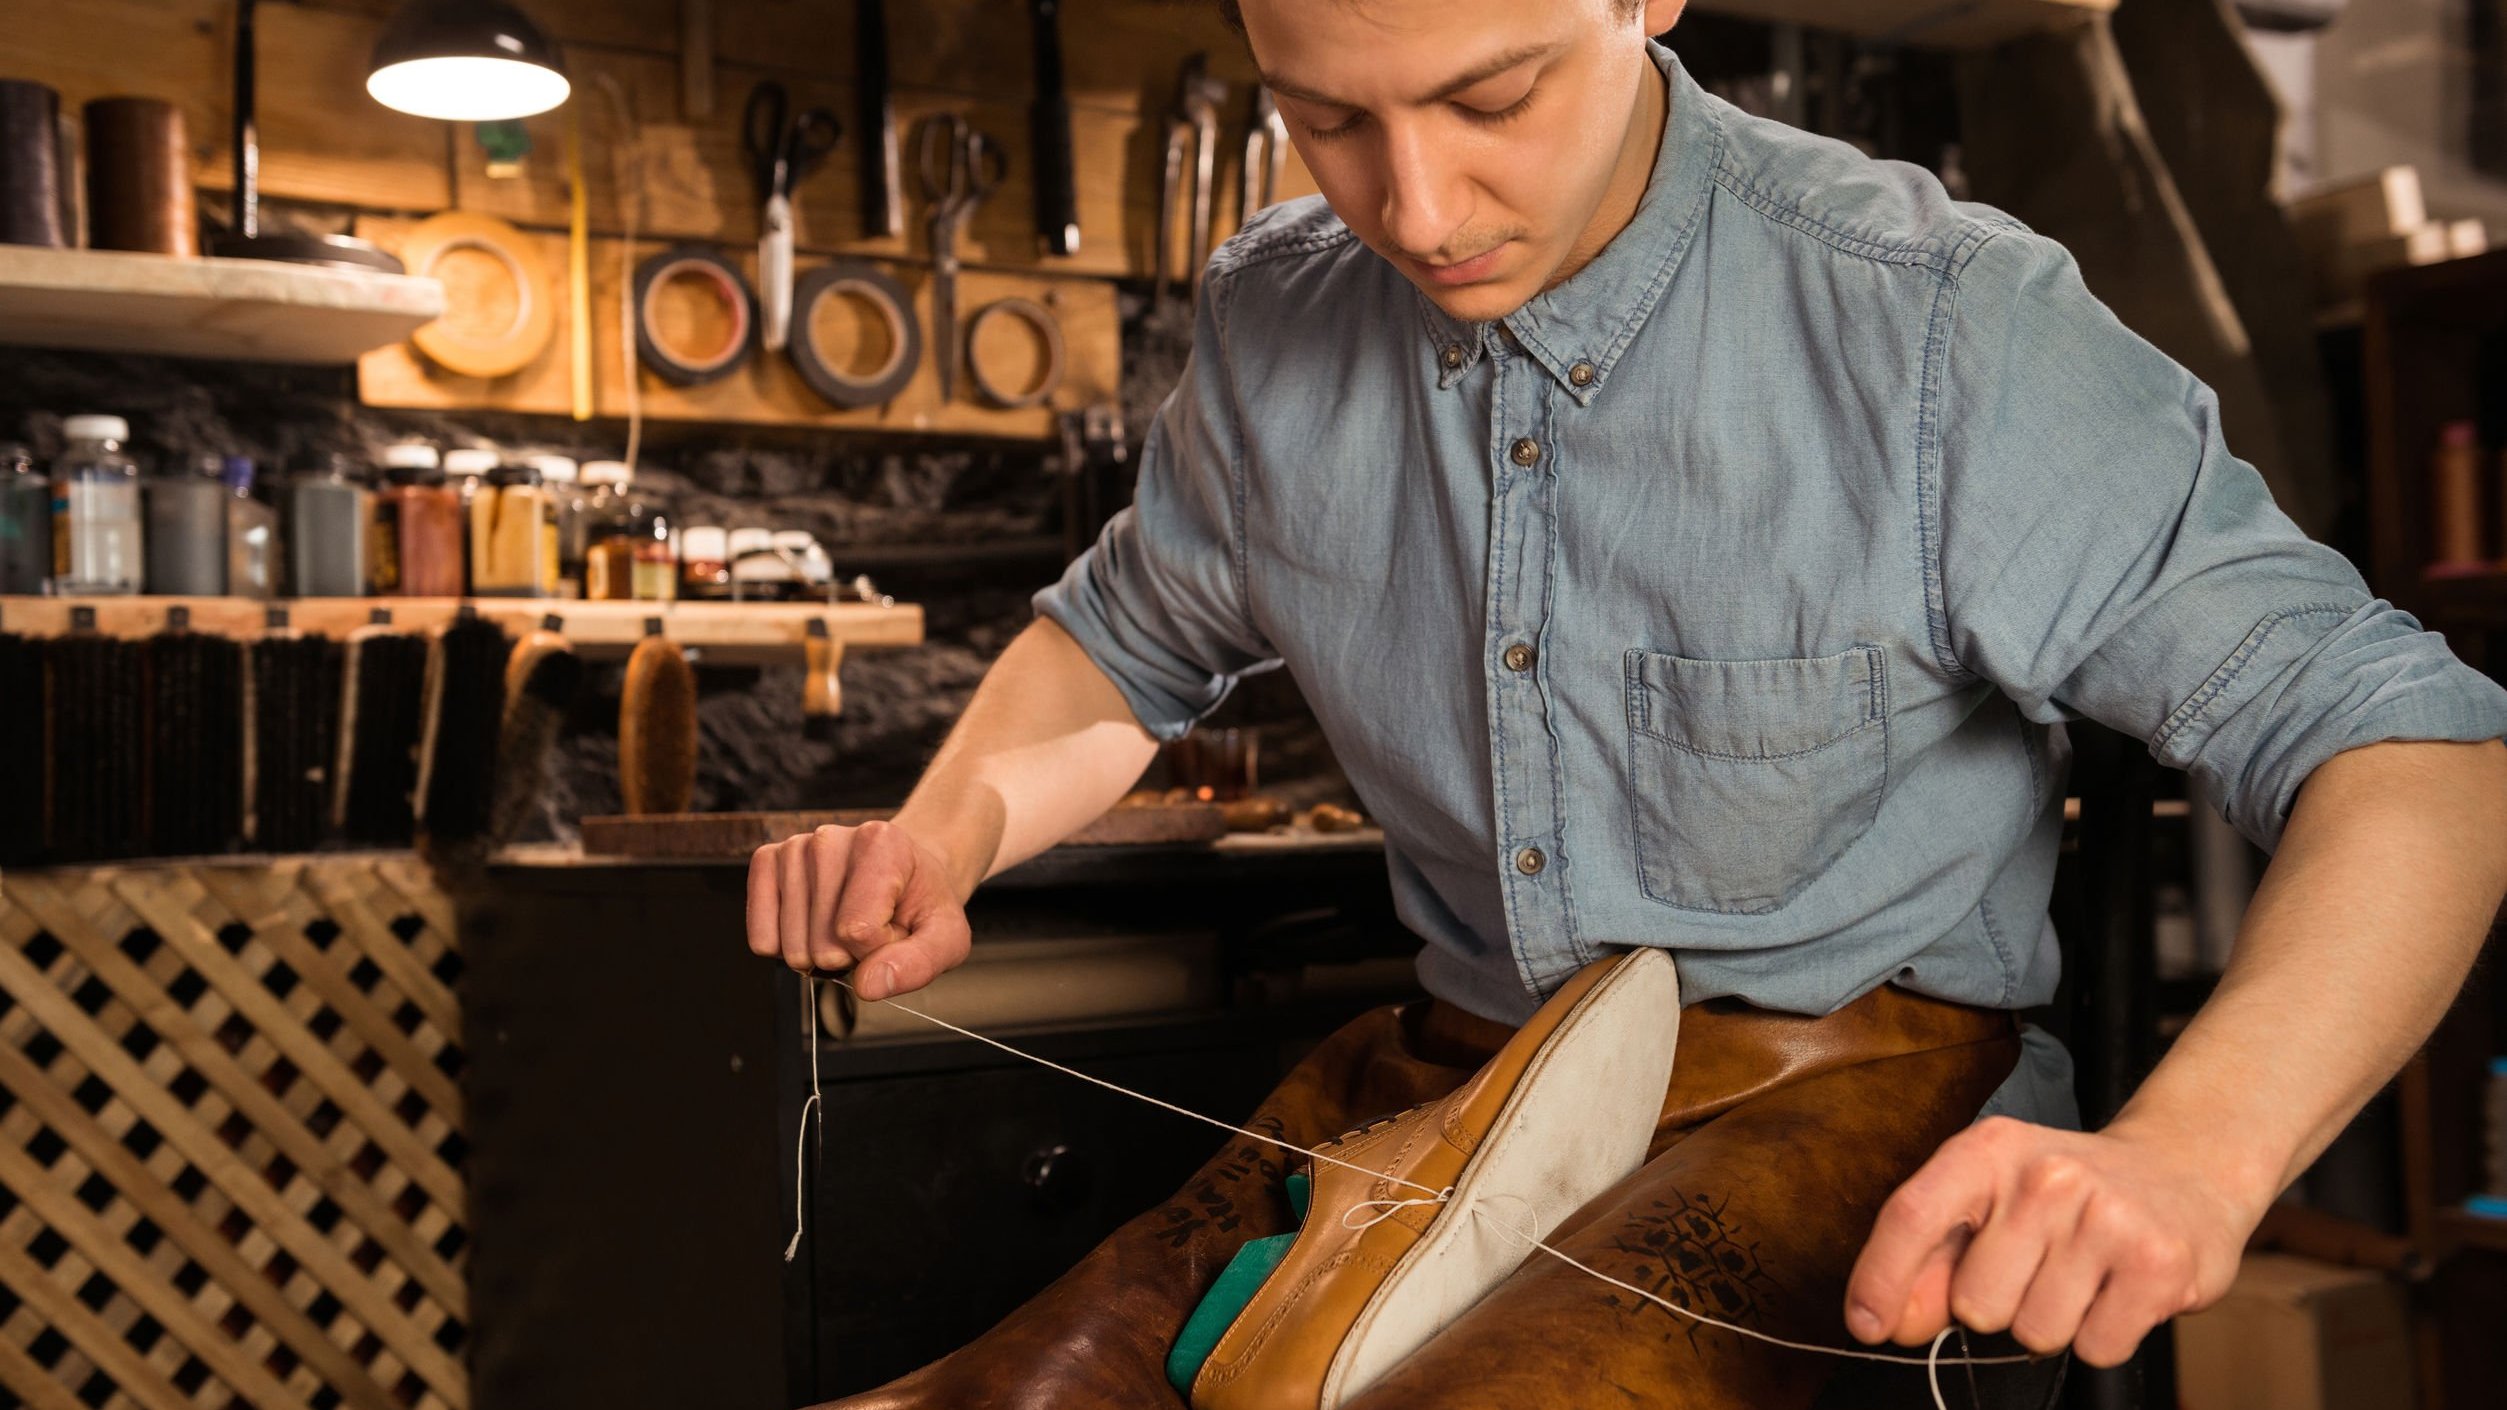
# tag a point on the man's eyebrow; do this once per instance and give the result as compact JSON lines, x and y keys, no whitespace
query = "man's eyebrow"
{"x":1480,"y":73}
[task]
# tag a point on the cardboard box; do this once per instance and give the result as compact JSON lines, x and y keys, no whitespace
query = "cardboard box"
{"x":2296,"y":1334}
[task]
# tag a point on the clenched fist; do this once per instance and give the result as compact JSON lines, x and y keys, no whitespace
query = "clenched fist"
{"x":869,"y":898}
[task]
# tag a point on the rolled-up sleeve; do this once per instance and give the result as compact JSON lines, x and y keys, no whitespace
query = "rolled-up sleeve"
{"x":2102,"y":554}
{"x":1158,"y":602}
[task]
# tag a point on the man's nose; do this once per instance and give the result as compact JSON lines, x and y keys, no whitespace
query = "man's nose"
{"x":1425,"y":198}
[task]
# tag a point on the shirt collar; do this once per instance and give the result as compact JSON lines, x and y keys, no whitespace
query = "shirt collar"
{"x":1587,"y":321}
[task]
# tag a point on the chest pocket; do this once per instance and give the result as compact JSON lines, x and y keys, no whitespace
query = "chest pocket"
{"x":1747,"y":778}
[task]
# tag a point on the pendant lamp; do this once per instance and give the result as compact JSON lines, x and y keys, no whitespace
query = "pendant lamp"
{"x":466,"y":61}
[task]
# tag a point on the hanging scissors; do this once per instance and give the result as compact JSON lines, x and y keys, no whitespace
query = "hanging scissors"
{"x":781,"y":149}
{"x":961,"y":166}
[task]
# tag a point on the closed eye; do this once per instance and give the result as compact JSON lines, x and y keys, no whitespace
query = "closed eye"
{"x":1487,"y":117}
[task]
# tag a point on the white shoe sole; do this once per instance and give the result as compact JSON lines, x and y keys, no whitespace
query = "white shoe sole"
{"x":1578,"y":1122}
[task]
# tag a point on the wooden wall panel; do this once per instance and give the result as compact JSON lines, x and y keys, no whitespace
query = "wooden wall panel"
{"x":322,"y":138}
{"x":765,"y":389}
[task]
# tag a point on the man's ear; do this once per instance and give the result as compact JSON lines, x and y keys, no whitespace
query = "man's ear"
{"x":1661,"y":15}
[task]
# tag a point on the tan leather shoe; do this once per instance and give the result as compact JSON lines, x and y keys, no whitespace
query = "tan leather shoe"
{"x":1562,"y":1112}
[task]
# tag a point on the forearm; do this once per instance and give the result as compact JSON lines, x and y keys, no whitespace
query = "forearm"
{"x":2386,"y":882}
{"x":1046,"y":745}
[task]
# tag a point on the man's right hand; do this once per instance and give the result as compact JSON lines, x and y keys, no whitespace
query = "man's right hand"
{"x":867,"y":898}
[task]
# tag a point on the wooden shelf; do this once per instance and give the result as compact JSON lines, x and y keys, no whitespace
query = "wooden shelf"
{"x":1937,"y":24}
{"x":2464,"y":602}
{"x":2465,"y":1229}
{"x":726,"y":633}
{"x":245,"y":309}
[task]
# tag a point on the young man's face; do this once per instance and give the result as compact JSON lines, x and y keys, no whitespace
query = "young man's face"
{"x":1469,"y":142}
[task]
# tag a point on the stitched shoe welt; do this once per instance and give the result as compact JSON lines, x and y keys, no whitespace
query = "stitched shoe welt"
{"x":1558,"y":1115}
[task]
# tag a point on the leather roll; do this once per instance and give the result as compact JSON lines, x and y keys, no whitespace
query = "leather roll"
{"x":461,"y":341}
{"x":139,"y":178}
{"x":30,"y":164}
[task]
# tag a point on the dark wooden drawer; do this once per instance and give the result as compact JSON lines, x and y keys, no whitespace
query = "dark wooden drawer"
{"x":942,"y":1200}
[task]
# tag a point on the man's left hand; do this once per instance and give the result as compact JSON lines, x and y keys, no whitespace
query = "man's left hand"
{"x":2064,"y":1238}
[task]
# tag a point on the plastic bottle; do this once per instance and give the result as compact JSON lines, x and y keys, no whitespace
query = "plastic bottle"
{"x":25,"y":523}
{"x":98,"y":545}
{"x":252,"y":534}
{"x":187,"y":529}
{"x":330,"y":530}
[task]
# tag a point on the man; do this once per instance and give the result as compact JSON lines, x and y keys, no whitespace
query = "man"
{"x":1692,"y":533}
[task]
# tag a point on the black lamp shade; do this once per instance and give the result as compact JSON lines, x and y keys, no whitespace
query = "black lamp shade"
{"x":466,"y":60}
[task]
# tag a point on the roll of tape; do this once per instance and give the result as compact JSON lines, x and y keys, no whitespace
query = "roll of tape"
{"x":716,"y":273}
{"x":460,"y":343}
{"x":1041,"y":319}
{"x":857,"y":279}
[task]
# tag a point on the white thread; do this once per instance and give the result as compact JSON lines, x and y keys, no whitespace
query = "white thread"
{"x":1932,"y":1361}
{"x":801,"y":1141}
{"x":1387,"y":1208}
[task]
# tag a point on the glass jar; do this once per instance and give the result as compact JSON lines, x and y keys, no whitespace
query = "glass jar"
{"x":607,"y":526}
{"x":758,"y":572}
{"x":187,"y":529}
{"x":562,"y":479}
{"x":656,"y":556}
{"x":813,"y":573}
{"x":466,"y":469}
{"x":424,"y":528}
{"x":519,"y":555}
{"x":98,"y":544}
{"x":25,"y":523}
{"x":330,"y":530}
{"x":252,"y":534}
{"x":704,"y":562}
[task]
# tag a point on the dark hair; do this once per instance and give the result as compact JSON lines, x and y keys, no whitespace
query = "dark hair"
{"x":1235,"y":17}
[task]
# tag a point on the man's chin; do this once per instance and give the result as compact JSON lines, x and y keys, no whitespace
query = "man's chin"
{"x":1484,"y":302}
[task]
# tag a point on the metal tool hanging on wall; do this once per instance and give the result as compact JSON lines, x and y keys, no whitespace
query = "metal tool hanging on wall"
{"x":1266,"y":154}
{"x":1049,"y":125}
{"x":961,"y":166}
{"x":883,"y":194}
{"x":1194,"y":120}
{"x":782,"y":148}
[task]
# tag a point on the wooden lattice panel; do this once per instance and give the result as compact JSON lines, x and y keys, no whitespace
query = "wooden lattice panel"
{"x":230,"y":1150}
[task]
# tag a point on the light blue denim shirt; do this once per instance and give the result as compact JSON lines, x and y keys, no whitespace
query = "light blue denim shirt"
{"x":1730,"y":596}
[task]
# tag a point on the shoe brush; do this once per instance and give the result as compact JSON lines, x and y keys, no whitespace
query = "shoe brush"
{"x":657,"y":726}
{"x":542,"y":678}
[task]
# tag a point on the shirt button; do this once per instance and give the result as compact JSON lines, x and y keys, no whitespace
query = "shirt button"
{"x":1519,"y":657}
{"x":1453,"y":356}
{"x":1525,"y":451}
{"x":1581,"y":374}
{"x":1529,"y":861}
